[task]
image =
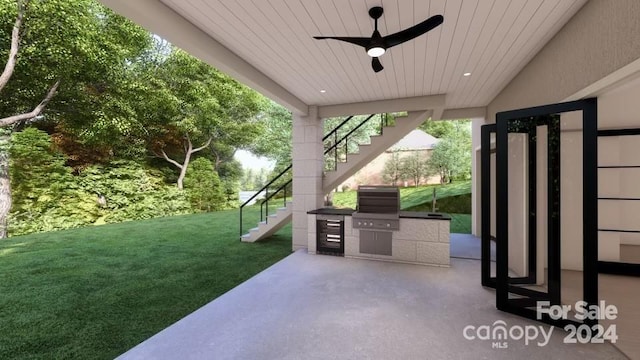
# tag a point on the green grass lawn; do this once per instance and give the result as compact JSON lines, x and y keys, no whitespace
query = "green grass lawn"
{"x":460,"y":223}
{"x":95,"y":292}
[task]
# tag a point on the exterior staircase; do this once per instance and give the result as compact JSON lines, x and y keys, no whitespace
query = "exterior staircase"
{"x":271,"y":225}
{"x":354,"y":162}
{"x":367,"y":152}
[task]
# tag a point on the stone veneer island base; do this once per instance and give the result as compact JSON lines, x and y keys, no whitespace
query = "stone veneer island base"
{"x":423,"y":238}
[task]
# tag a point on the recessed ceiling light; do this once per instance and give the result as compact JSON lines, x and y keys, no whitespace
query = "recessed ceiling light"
{"x":466,"y":74}
{"x":323,"y":91}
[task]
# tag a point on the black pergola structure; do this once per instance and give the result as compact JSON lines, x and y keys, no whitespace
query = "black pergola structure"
{"x":519,"y":295}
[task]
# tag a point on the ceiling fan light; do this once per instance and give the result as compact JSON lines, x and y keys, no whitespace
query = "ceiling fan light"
{"x":376,"y":51}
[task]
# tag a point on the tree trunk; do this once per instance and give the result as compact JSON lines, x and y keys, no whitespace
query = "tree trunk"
{"x":188,"y":151}
{"x":183,"y":170}
{"x":7,"y":123}
{"x":5,"y":185}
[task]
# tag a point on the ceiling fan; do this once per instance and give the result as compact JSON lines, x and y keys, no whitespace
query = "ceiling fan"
{"x":377,"y":45}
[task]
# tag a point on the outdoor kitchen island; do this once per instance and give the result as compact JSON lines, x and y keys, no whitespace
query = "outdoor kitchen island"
{"x":401,"y":236}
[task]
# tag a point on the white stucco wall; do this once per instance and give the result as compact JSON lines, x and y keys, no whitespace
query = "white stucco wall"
{"x":601,"y":39}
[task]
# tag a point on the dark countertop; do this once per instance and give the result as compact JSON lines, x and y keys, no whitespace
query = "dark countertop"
{"x":332,"y":211}
{"x":424,"y":215}
{"x":403,"y":214}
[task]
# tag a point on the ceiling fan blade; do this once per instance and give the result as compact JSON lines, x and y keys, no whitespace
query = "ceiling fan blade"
{"x":376,"y":64}
{"x":412,"y":32}
{"x":361,"y":41}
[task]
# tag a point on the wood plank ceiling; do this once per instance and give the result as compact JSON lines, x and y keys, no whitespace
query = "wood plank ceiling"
{"x":491,"y":39}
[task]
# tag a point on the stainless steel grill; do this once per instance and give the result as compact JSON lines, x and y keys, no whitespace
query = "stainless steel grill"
{"x":378,"y":208}
{"x":377,"y":216}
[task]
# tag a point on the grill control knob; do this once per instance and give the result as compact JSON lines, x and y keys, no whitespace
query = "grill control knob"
{"x":388,"y":225}
{"x":370,"y":224}
{"x":359,"y":223}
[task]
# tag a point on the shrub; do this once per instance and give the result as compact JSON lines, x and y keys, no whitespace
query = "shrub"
{"x":203,"y":186}
{"x":132,"y":192}
{"x":45,"y":194}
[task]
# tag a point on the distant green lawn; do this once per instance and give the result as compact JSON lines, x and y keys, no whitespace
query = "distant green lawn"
{"x":95,"y":292}
{"x":454,"y":199}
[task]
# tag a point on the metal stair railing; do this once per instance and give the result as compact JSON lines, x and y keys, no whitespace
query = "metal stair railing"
{"x":336,"y":145}
{"x":267,"y":196}
{"x":264,"y":204}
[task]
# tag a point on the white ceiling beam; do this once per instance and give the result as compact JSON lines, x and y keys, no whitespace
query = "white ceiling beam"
{"x":159,"y":19}
{"x":464,"y":113}
{"x":437,"y":113}
{"x":374,"y":107}
{"x":616,"y":78}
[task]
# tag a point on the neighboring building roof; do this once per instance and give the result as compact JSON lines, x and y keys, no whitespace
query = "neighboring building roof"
{"x":415,"y":140}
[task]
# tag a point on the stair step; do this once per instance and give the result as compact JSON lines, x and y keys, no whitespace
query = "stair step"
{"x":400,"y":128}
{"x":253,"y":230}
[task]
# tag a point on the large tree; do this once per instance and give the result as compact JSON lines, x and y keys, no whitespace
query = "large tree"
{"x":6,"y":123}
{"x":86,"y":47}
{"x":414,"y":167}
{"x":275,"y":138}
{"x":208,"y":110}
{"x":451,"y":156}
{"x":76,"y":50}
{"x":393,"y":171}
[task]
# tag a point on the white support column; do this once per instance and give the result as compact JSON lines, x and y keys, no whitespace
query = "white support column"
{"x":308,"y":161}
{"x":476,"y":123}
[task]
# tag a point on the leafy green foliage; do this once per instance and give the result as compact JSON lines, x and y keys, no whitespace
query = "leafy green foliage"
{"x":132,"y":192}
{"x":90,"y":50}
{"x":46,"y":196}
{"x":414,"y":167}
{"x":451,"y":156}
{"x":204,"y":189}
{"x":274,"y":141}
{"x":231,"y":191}
{"x":230,"y":172}
{"x":361,"y":135}
{"x":123,"y":92}
{"x":256,"y":179}
{"x":392,"y":171}
{"x":204,"y":104}
{"x":248,"y":180}
{"x":444,"y":128}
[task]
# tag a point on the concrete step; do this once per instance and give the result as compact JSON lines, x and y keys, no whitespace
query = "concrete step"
{"x":274,"y":223}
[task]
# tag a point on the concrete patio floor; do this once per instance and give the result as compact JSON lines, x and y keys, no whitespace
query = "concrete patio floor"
{"x":325,"y":307}
{"x":467,"y":246}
